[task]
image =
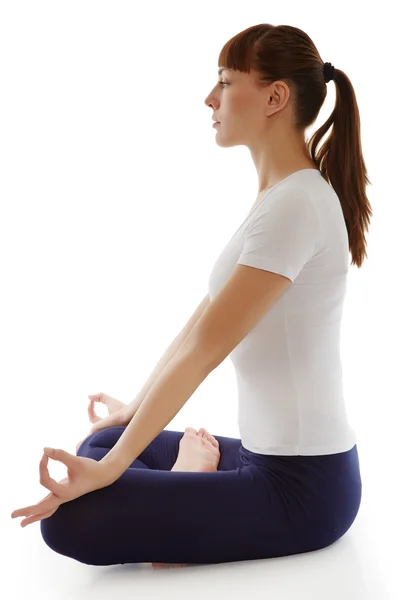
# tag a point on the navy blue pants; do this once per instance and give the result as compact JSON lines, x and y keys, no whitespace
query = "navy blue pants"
{"x":255,"y":506}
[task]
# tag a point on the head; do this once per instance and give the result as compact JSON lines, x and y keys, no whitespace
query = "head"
{"x":252,"y":113}
{"x":270,"y":89}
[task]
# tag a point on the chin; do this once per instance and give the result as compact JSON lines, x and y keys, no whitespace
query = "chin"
{"x":226,"y":143}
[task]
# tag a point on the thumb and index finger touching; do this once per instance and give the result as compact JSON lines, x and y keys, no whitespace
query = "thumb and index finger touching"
{"x":93,"y":418}
{"x":61,"y":455}
{"x":91,"y":412}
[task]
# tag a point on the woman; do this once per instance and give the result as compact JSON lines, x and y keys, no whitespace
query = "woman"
{"x":291,"y":484}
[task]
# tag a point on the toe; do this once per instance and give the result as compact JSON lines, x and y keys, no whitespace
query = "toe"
{"x":207,"y":436}
{"x":190,"y":430}
{"x":213,"y":441}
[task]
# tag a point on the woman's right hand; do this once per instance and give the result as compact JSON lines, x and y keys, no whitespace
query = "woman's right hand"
{"x":113,"y":406}
{"x":118,"y":414}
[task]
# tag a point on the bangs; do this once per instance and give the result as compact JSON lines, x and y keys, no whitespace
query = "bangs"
{"x":240,"y":52}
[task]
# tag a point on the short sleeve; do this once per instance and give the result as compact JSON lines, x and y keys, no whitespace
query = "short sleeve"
{"x":283,"y":236}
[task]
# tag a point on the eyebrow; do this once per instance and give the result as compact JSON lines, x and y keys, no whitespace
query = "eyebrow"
{"x":223,"y":69}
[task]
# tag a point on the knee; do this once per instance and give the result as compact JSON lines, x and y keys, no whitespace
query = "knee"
{"x":63,"y":532}
{"x":58,"y":530}
{"x":105,"y":438}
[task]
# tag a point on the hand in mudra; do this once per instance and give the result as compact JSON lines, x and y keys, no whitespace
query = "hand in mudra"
{"x":117,"y":414}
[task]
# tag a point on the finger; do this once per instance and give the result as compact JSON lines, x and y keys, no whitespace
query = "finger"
{"x":97,"y":427}
{"x":90,"y":410}
{"x":92,"y":415}
{"x":45,"y":479}
{"x":103,"y":423}
{"x":35,"y":518}
{"x":97,"y":398}
{"x":33,"y":508}
{"x":22,"y":512}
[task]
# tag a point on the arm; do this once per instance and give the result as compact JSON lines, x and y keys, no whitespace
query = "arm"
{"x":246,"y":297}
{"x":170,"y":352}
{"x":175,"y":385}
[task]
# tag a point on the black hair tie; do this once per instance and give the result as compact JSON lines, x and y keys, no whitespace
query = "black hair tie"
{"x":329,"y":72}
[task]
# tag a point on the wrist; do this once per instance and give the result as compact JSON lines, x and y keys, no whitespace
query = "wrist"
{"x":127,"y":414}
{"x":112,"y":468}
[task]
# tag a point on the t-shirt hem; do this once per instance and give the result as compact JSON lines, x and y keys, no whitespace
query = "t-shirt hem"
{"x":301,"y":450}
{"x":262,"y":263}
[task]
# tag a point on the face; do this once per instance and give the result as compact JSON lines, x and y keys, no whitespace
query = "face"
{"x":241,"y":105}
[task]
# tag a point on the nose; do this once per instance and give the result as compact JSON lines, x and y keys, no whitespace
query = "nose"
{"x":211,"y":101}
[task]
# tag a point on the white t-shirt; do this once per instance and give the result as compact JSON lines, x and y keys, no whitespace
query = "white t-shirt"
{"x":288,"y":367}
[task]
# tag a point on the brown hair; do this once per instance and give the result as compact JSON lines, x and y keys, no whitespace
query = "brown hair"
{"x":288,"y":54}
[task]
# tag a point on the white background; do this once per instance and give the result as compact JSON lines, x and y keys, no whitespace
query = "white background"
{"x":116,"y":202}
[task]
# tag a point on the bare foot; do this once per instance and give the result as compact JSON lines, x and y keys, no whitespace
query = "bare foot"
{"x":198,"y":451}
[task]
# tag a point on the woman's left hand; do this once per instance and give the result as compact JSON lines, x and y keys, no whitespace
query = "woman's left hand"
{"x":84,"y":475}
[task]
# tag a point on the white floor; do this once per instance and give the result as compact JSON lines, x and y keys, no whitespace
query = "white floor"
{"x":363,"y":565}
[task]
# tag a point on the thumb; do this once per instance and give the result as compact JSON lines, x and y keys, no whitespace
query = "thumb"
{"x":61,"y":455}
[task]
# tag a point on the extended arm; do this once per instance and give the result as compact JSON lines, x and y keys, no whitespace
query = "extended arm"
{"x":245,"y":298}
{"x":170,"y":352}
{"x":173,"y":388}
